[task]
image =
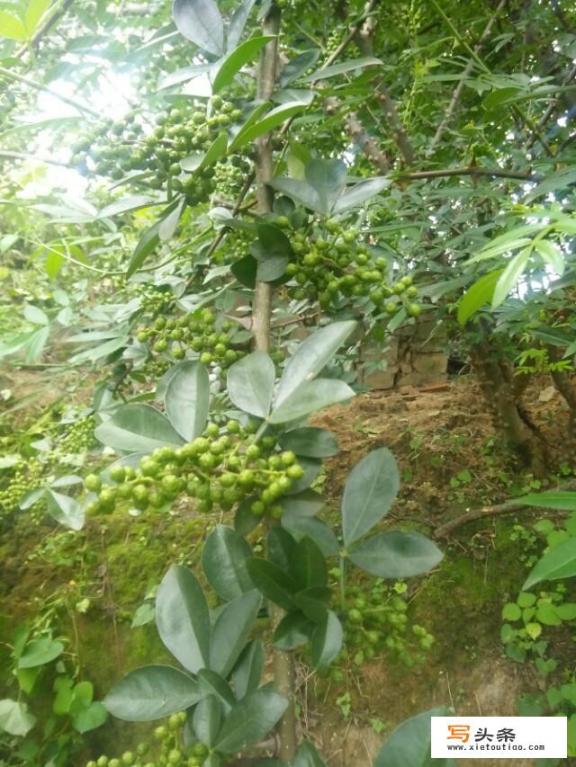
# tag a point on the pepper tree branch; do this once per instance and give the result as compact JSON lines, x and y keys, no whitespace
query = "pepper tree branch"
{"x":550,"y":111}
{"x":354,"y":30}
{"x":524,"y":119}
{"x":475,"y":514}
{"x":46,"y":88}
{"x":264,"y":168}
{"x":454,"y":101}
{"x":283,"y":663}
{"x":46,"y":27}
{"x":398,"y":131}
{"x":365,"y":42}
{"x":468,"y":171}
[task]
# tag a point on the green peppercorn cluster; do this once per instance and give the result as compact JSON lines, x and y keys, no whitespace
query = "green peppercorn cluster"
{"x":219,"y":469}
{"x":339,"y":265}
{"x":235,"y":247}
{"x":77,"y":438}
{"x":196,"y":332}
{"x":16,"y":482}
{"x":154,"y":299}
{"x":230,"y":177}
{"x":376,"y":621}
{"x":115,"y":149}
{"x":29,"y":473}
{"x":168,"y":750}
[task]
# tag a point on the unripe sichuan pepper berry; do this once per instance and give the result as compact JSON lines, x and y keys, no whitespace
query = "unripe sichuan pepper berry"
{"x":217,"y":469}
{"x":196,"y":335}
{"x":116,"y":149}
{"x":331,"y":264}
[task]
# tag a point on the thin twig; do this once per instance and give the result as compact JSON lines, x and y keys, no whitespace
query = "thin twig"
{"x":469,"y":171}
{"x":399,"y":132}
{"x":454,"y":101}
{"x":550,"y":111}
{"x":485,"y":512}
{"x":370,"y":5}
{"x":473,"y":52}
{"x":365,"y":141}
{"x":46,"y":89}
{"x":46,"y":27}
{"x":23,"y":156}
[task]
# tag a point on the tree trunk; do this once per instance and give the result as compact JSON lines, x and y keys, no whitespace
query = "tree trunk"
{"x":502,"y":393}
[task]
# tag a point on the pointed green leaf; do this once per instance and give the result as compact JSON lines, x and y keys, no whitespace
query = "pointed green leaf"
{"x":231,"y":630}
{"x":510,"y":277}
{"x":251,"y":384}
{"x":235,"y":60}
{"x":213,"y":683}
{"x":369,"y":493}
{"x":15,"y":719}
{"x":250,"y":720}
{"x":237,"y":23}
{"x":294,"y":630}
{"x":307,"y":756}
{"x":300,"y":191}
{"x":35,"y":315}
{"x":152,"y":692}
{"x":409,"y":744}
{"x":271,"y":269}
{"x":200,"y":22}
{"x":207,"y":720}
{"x":551,"y":255}
{"x":35,"y":13}
{"x":396,"y":555}
{"x":187,"y":399}
{"x":342,"y":68}
{"x":199,"y":161}
{"x":328,"y":178}
{"x":183,"y":619}
{"x":12,"y":27}
{"x":313,"y":602}
{"x":65,"y":510}
{"x":303,"y":504}
{"x":312,"y":355}
{"x":273,"y":582}
{"x":477,"y":296}
{"x":271,"y":120}
{"x":39,"y":652}
{"x":560,"y":562}
{"x":281,"y":549}
{"x":322,"y":535}
{"x":310,"y":441}
{"x":147,"y":244}
{"x":360,"y":193}
{"x":311,"y":397}
{"x":224,"y":560}
{"x":137,"y":429}
{"x":246,"y":676}
{"x":169,"y":222}
{"x":126,"y":205}
{"x":326,"y":640}
{"x":308,"y":564}
{"x":562,"y":500}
